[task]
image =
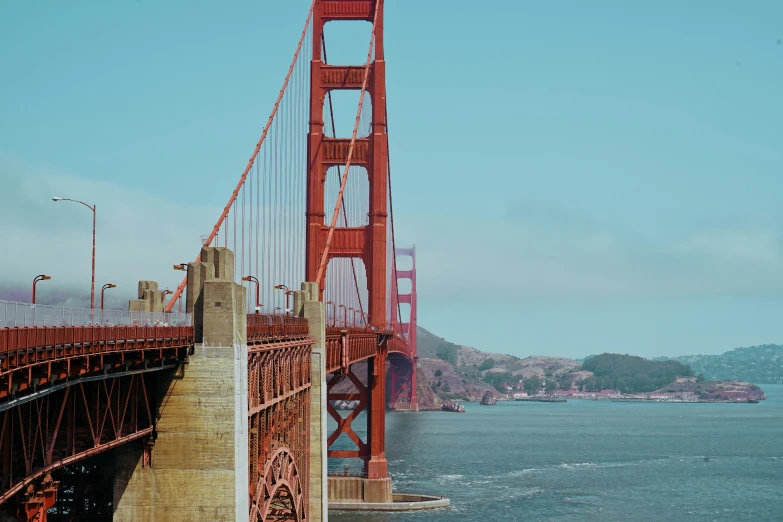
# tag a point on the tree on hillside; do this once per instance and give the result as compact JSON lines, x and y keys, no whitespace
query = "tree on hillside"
{"x":631,"y":374}
{"x":487,"y":364}
{"x":550,"y":386}
{"x":532,"y":384}
{"x":498,"y":379}
{"x":564,"y":381}
{"x":447,"y":352}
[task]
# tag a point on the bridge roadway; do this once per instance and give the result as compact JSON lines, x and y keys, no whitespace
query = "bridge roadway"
{"x":70,"y":392}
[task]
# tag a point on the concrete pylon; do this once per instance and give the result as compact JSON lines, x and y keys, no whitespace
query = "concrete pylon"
{"x":199,"y":464}
{"x":150,"y":298}
{"x":307,"y":304}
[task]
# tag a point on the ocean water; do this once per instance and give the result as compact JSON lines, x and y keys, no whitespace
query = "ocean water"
{"x":590,"y":460}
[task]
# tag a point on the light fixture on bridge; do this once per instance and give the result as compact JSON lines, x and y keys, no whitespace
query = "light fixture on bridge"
{"x":344,"y":313}
{"x":94,"y":209}
{"x":334,"y":313}
{"x":105,"y":287}
{"x":254,"y":279}
{"x":41,"y":277}
{"x":288,"y":292}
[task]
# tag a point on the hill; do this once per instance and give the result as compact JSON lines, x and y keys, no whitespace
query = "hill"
{"x":760,"y":364}
{"x":451,"y":371}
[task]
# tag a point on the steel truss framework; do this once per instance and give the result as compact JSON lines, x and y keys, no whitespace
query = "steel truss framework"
{"x":33,"y":358}
{"x":65,"y":426}
{"x":400,"y":384}
{"x":370,"y":397}
{"x":279,"y":382}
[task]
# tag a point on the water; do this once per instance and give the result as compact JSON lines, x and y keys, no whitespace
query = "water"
{"x":591,"y":460}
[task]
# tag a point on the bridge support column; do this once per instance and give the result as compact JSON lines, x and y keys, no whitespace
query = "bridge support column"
{"x":306,"y":304}
{"x":377,"y":485}
{"x":199,"y":465}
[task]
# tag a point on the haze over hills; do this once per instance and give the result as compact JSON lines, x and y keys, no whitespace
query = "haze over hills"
{"x":759,"y":364}
{"x":451,"y":371}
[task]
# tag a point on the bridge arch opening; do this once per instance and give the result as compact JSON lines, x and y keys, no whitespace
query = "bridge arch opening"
{"x":339,"y":117}
{"x":280,"y":495}
{"x":345,"y":303}
{"x":356,"y":197}
{"x":347,"y":41}
{"x":404,"y":285}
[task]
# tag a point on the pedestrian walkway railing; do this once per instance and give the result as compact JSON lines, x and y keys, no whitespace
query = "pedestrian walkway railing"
{"x":16,"y":315}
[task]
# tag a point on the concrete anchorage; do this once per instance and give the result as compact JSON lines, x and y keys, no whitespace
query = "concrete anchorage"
{"x":198,"y":469}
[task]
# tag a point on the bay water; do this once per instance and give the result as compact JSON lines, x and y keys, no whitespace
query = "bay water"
{"x":590,"y":460}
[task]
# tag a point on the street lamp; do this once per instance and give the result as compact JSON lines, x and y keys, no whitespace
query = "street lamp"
{"x":334,"y":313}
{"x":354,"y":315}
{"x":343,"y":307}
{"x":94,"y":213}
{"x":183,"y":267}
{"x":287,"y":293}
{"x":107,"y":285}
{"x":41,"y":277}
{"x":258,"y":287}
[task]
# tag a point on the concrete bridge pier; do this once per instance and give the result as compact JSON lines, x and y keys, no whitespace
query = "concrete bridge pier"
{"x":198,"y":469}
{"x":306,"y":304}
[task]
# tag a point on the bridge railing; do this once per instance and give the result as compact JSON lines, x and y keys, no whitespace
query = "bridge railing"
{"x":108,"y":338}
{"x":16,"y":315}
{"x":261,"y":327}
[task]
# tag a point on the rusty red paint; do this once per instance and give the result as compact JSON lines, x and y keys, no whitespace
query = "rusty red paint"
{"x":70,"y":425}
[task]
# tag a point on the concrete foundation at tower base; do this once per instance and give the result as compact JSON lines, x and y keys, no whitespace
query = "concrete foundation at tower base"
{"x":399,"y":502}
{"x":357,"y":489}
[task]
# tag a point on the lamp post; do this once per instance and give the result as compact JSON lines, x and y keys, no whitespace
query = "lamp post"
{"x":107,"y":285}
{"x":258,"y":289}
{"x":41,"y":277}
{"x":354,"y":315}
{"x":287,"y":293}
{"x":183,"y":267}
{"x":343,"y":307}
{"x":334,"y":314}
{"x":94,"y":213}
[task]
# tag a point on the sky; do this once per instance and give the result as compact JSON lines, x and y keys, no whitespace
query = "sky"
{"x":577,"y":177}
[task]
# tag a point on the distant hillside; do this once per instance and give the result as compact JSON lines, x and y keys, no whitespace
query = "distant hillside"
{"x":759,"y":364}
{"x":431,"y":346}
{"x":451,"y":371}
{"x":630,"y":374}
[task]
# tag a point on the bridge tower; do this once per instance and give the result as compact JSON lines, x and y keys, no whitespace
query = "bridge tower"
{"x":369,"y":243}
{"x":401,"y":394}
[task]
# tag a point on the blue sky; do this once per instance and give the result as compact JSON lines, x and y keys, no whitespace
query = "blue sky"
{"x":577,"y":177}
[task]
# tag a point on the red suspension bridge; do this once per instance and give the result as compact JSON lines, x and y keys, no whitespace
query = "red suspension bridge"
{"x":158,"y":388}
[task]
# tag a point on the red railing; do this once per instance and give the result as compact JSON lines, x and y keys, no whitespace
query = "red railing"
{"x":36,"y":344}
{"x":397,"y":345}
{"x":263,"y":328}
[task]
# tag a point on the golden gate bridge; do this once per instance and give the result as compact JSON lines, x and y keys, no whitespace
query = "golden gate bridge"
{"x":292,"y":303}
